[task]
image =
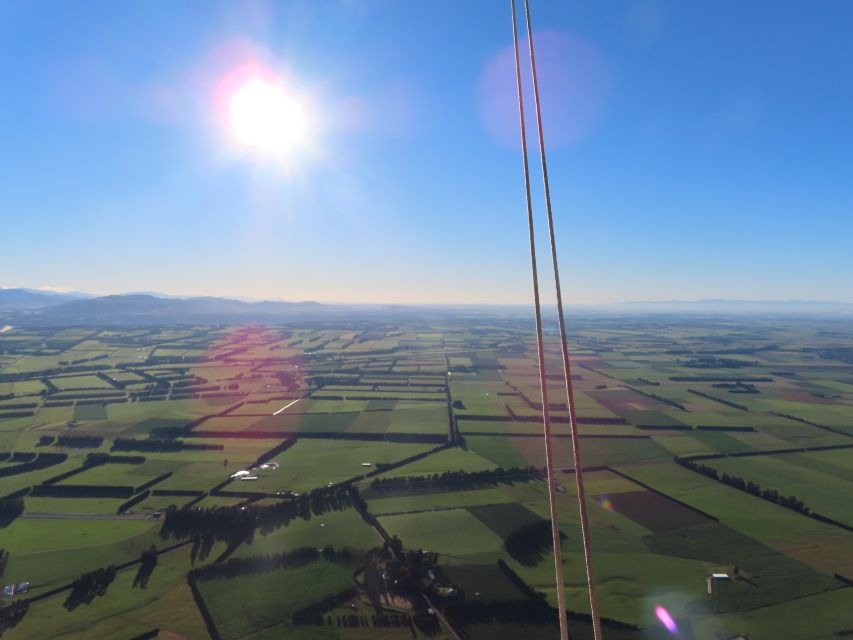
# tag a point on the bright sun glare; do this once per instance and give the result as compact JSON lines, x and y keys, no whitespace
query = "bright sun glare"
{"x":265,"y":117}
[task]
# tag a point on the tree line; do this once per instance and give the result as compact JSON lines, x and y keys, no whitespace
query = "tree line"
{"x":89,"y":586}
{"x":238,"y":523}
{"x":457,"y":479}
{"x":790,"y":502}
{"x":160,"y":445}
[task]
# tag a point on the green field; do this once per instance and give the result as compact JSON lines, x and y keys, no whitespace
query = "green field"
{"x":431,"y":436}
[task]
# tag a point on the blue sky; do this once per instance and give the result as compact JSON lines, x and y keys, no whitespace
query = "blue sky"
{"x":697,"y":150}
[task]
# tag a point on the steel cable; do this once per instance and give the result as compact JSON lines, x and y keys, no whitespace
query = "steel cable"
{"x":567,"y":369}
{"x":540,"y":348}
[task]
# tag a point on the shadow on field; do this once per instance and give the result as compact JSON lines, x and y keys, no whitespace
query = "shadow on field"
{"x":532,"y":544}
{"x":10,"y":509}
{"x":147,"y":563}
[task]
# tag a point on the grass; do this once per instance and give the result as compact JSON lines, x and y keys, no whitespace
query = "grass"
{"x":314,"y":463}
{"x":824,"y":615}
{"x":653,"y":511}
{"x":768,"y":577}
{"x":50,"y":553}
{"x":454,"y":532}
{"x":338,"y":528}
{"x":453,"y":459}
{"x":125,"y":611}
{"x":825,"y":491}
{"x":505,"y":519}
{"x":487,"y":581}
{"x":789,"y":558}
{"x":511,"y":452}
{"x":246,"y":604}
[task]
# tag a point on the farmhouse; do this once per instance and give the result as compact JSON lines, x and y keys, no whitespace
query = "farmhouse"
{"x":715,"y":576}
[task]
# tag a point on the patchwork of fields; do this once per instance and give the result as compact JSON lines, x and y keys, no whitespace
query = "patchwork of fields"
{"x":257,"y":482}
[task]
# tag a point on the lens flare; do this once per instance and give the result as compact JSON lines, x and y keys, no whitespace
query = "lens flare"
{"x":666,"y":619}
{"x":265,"y":117}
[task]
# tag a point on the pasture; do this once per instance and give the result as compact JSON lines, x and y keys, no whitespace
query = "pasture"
{"x":346,"y":405}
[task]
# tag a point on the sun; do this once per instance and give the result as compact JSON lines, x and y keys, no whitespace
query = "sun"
{"x":265,"y":117}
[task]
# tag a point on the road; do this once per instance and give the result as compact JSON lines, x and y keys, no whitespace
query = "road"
{"x":83,"y":516}
{"x":287,"y":406}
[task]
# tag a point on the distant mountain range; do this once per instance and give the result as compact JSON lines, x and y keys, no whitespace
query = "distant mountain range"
{"x":17,"y":299}
{"x":31,"y":306}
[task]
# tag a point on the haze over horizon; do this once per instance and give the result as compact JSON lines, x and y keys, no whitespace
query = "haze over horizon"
{"x":722,"y":303}
{"x":696,"y":151}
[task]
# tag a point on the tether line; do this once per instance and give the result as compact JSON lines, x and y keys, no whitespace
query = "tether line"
{"x":567,"y":369}
{"x":540,"y":349}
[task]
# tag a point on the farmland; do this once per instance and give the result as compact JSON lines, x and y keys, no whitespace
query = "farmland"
{"x":254,"y":482}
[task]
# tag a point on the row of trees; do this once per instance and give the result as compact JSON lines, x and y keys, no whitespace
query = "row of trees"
{"x":162,"y":445}
{"x":95,"y":459}
{"x":659,"y":398}
{"x":89,"y":586}
{"x":457,"y":479}
{"x":708,"y":396}
{"x":790,"y":502}
{"x":236,"y":524}
{"x":79,"y":442}
{"x":39,"y":461}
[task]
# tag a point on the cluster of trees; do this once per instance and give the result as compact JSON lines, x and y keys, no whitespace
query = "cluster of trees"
{"x":457,"y":479}
{"x":4,"y":560}
{"x":79,"y":442}
{"x":736,"y":387}
{"x":88,"y":586}
{"x":236,"y":524}
{"x":651,"y":383}
{"x":95,"y":459}
{"x":790,"y":502}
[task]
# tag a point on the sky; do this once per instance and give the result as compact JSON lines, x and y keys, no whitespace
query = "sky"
{"x":696,"y":150}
